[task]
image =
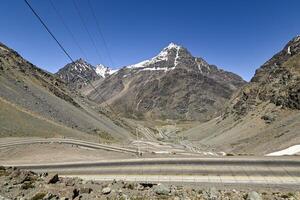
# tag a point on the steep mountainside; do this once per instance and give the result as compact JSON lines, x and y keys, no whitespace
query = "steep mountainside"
{"x":36,"y":103}
{"x":77,"y":73}
{"x":264,"y":115}
{"x":171,"y":85}
{"x":276,"y":81}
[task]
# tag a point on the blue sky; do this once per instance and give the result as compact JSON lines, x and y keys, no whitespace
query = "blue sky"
{"x":236,"y":35}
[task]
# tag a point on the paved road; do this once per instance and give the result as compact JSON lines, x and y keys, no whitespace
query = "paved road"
{"x":66,"y":141}
{"x":245,"y":170}
{"x":272,"y":171}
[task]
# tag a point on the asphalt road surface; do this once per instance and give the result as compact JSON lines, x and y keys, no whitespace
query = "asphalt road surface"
{"x":271,"y":171}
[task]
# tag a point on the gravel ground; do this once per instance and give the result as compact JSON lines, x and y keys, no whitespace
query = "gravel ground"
{"x":20,"y":184}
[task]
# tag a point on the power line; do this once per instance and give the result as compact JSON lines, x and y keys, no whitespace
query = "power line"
{"x":100,"y":32}
{"x":67,"y":54}
{"x":86,"y":29}
{"x":45,"y":26}
{"x":95,"y":46}
{"x":67,"y":28}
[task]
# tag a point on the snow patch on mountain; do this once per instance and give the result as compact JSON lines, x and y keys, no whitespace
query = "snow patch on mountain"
{"x":104,"y":71}
{"x":80,"y":65}
{"x":162,"y":56}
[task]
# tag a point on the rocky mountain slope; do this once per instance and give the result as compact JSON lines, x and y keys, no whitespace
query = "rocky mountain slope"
{"x":171,"y":85}
{"x":77,"y":74}
{"x":264,"y":115}
{"x":34,"y":102}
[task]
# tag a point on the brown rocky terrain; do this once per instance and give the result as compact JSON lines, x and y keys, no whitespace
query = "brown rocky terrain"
{"x":277,"y":81}
{"x":21,"y":184}
{"x":263,"y":116}
{"x":172,"y":85}
{"x":34,"y":102}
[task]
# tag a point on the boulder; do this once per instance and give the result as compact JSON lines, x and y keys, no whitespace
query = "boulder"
{"x":106,"y":190}
{"x":253,"y":196}
{"x":161,"y":189}
{"x":52,"y":178}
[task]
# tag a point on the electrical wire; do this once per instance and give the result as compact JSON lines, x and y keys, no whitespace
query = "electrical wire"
{"x":87,"y":30}
{"x":100,"y":32}
{"x":67,"y":54}
{"x":48,"y":30}
{"x":68,"y":29}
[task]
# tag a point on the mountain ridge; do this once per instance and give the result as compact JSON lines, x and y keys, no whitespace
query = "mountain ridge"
{"x":77,"y":74}
{"x":146,"y":89}
{"x":34,"y":102}
{"x":263,"y":115}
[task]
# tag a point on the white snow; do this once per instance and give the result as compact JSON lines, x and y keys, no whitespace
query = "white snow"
{"x":103,"y":71}
{"x":285,"y":152}
{"x":157,"y":69}
{"x":162,"y":56}
{"x":289,"y":50}
{"x":140,"y":64}
{"x":177,"y":56}
{"x":172,"y":45}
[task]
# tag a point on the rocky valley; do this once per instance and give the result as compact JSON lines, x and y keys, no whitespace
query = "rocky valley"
{"x":172,"y":106}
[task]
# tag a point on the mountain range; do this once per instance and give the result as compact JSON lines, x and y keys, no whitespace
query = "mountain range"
{"x":230,"y":114}
{"x":172,"y":85}
{"x":78,"y":73}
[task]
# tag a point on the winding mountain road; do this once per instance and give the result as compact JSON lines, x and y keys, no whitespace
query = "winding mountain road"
{"x":66,"y":141}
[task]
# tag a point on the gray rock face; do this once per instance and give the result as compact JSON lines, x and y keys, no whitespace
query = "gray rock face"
{"x":253,"y":196}
{"x":173,"y":85}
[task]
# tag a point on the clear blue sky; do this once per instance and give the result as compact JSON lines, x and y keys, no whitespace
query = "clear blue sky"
{"x":236,"y":35}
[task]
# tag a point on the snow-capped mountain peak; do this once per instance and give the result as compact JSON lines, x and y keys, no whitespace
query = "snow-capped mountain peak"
{"x":171,"y":53}
{"x":172,"y":45}
{"x":104,"y":71}
{"x":80,"y":65}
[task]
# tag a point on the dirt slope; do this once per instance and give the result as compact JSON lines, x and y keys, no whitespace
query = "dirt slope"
{"x":27,"y":88}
